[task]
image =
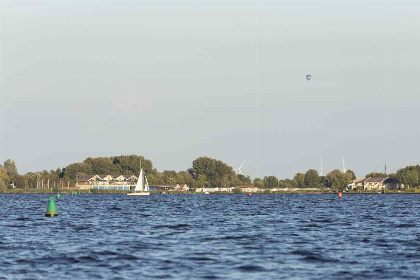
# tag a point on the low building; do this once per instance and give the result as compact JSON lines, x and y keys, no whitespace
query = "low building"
{"x":106,"y":182}
{"x":359,"y":182}
{"x":248,"y":189}
{"x":393,"y":183}
{"x":380,"y":183}
{"x":182,"y":188}
{"x":165,"y":188}
{"x":207,"y":189}
{"x":374,"y":183}
{"x":173,"y":188}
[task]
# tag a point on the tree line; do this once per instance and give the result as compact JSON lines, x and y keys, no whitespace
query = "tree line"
{"x":204,"y":172}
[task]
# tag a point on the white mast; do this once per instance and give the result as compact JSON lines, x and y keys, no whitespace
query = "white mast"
{"x":322,"y":167}
{"x":344,"y":167}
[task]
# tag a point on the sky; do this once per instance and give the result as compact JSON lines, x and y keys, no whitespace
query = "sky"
{"x":176,"y":80}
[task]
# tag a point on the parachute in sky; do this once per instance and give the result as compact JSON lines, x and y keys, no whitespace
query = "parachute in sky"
{"x":308,"y":77}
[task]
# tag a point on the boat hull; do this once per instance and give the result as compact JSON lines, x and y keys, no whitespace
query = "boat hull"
{"x":139,"y":193}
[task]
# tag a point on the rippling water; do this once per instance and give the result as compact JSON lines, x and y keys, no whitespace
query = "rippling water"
{"x":211,"y":237}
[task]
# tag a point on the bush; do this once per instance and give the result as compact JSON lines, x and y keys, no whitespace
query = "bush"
{"x":3,"y":187}
{"x":237,"y":190}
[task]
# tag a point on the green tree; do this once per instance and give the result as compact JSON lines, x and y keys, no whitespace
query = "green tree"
{"x":213,"y":170}
{"x":3,"y":187}
{"x":351,"y":174}
{"x":169,"y":177}
{"x":244,"y":180}
{"x":201,"y":181}
{"x":376,"y":174}
{"x":322,"y":182}
{"x":409,"y":176}
{"x":270,"y":182}
{"x":20,"y":182}
{"x":287,"y":183}
{"x":311,"y":179}
{"x":131,"y":164}
{"x":258,"y":182}
{"x":101,"y":165}
{"x":225,"y":181}
{"x":75,"y":169}
{"x":3,"y":176}
{"x":337,"y":180}
{"x":300,"y":180}
{"x":11,"y":168}
{"x":237,"y":190}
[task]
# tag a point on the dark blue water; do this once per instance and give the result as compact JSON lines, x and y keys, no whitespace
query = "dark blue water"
{"x":211,"y":237}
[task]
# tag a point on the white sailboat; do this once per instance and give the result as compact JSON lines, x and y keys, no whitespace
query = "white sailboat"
{"x":141,"y":187}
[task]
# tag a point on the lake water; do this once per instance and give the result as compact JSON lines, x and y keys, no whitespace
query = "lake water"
{"x":211,"y":237}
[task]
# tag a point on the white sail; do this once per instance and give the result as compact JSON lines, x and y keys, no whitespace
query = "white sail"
{"x":140,"y":185}
{"x":146,"y":187}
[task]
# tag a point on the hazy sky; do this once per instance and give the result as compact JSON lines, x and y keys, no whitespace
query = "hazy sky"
{"x":175,"y":80}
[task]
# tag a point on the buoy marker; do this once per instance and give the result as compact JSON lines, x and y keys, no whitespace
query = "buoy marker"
{"x":340,"y":194}
{"x":51,"y":209}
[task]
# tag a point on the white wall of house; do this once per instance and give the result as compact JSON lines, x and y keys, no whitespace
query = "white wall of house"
{"x":370,"y":186}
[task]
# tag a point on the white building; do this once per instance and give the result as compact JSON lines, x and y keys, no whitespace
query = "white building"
{"x":380,"y":183}
{"x":359,"y":182}
{"x":248,"y":189}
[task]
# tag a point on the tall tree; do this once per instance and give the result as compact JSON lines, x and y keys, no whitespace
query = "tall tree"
{"x":258,"y":182}
{"x":376,"y":174}
{"x":409,"y":176}
{"x":337,"y":180}
{"x":351,"y":174}
{"x":201,"y":181}
{"x":3,"y":175}
{"x":214,"y":170}
{"x":300,"y":180}
{"x":270,"y":182}
{"x":311,"y":179}
{"x":11,"y":168}
{"x":287,"y":184}
{"x":244,"y":180}
{"x":3,"y":187}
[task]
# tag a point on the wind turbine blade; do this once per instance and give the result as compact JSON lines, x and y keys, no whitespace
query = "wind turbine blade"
{"x":242,"y":164}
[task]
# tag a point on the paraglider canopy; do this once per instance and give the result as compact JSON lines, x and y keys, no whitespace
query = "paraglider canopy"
{"x":308,"y":77}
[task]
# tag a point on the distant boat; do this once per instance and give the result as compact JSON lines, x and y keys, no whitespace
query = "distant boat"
{"x":142,"y":186}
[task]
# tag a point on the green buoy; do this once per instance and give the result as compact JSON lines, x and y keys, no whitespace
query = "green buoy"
{"x":58,"y":195}
{"x":51,"y":210}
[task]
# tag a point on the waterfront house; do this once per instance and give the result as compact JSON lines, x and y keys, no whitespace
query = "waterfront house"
{"x":83,"y":181}
{"x":173,"y":188}
{"x":374,"y":183}
{"x":248,"y":189}
{"x":207,"y":189}
{"x":225,"y":189}
{"x":165,"y":188}
{"x":106,"y":182}
{"x":393,"y":183}
{"x":181,"y":188}
{"x":359,"y":182}
{"x":380,"y":183}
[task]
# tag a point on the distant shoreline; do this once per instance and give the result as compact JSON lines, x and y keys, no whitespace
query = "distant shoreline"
{"x":79,"y":191}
